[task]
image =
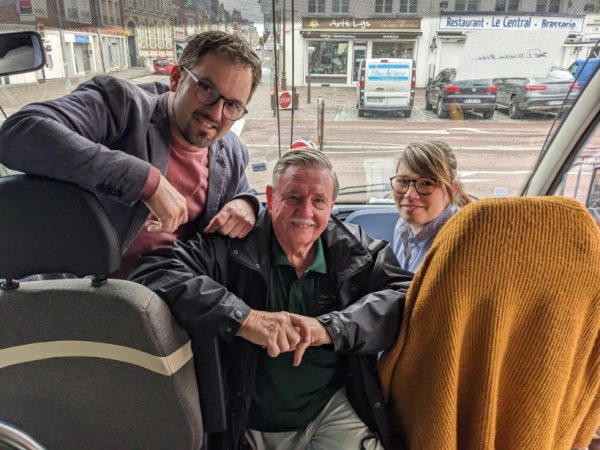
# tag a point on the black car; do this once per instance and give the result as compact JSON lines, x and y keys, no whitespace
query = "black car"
{"x":447,"y":95}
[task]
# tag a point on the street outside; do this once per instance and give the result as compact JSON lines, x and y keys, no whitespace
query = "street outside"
{"x":494,"y":156}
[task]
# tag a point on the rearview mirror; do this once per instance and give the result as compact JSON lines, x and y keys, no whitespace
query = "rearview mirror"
{"x":21,"y":52}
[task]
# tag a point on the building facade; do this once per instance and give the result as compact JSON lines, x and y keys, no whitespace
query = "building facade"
{"x":332,"y":36}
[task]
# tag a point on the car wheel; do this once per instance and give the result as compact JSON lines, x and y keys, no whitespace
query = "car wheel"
{"x":407,"y":114}
{"x":488,"y":114}
{"x":513,"y":109}
{"x":428,"y":106}
{"x":440,"y":109}
{"x":361,"y":113}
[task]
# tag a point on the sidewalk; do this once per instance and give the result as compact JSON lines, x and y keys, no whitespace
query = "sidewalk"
{"x":340,"y":101}
{"x":13,"y":97}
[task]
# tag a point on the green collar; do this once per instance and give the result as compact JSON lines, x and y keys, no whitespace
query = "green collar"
{"x":318,"y":264}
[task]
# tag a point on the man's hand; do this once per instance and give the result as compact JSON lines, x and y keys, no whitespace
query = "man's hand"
{"x":168,"y":208}
{"x":271,"y":330}
{"x":313,"y":334}
{"x":236,"y":219}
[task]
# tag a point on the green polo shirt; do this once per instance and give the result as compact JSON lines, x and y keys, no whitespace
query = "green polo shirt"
{"x":285,"y":397}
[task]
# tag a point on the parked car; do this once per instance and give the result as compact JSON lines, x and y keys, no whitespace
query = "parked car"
{"x":163,"y":66}
{"x":386,"y":84}
{"x":537,"y":95}
{"x":583,"y":71}
{"x":446,"y":94}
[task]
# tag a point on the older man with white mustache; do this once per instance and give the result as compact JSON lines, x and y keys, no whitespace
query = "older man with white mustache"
{"x":300,"y":309}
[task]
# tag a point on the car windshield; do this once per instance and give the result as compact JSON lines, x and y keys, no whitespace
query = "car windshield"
{"x":361,"y":79}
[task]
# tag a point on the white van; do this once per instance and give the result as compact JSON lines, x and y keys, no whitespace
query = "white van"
{"x":386,"y":84}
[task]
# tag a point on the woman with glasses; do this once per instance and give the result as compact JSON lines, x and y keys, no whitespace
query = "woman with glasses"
{"x":427,"y":193}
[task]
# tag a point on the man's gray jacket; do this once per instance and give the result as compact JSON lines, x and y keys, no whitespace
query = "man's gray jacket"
{"x":211,"y":282}
{"x":103,"y":137}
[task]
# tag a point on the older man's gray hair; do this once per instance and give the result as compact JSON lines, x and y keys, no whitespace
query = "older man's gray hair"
{"x":305,"y":157}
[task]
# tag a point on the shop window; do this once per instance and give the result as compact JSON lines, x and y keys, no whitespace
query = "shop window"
{"x":327,"y":58}
{"x":340,"y":6}
{"x":393,"y":49}
{"x":191,"y":26}
{"x":383,"y":6}
{"x":507,"y":5}
{"x":547,"y":6}
{"x":467,"y":5}
{"x":143,"y":36}
{"x":316,"y":6}
{"x":152,"y":33}
{"x":408,"y":6}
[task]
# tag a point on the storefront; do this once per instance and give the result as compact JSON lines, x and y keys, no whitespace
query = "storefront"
{"x":453,"y":28}
{"x":334,"y":47}
{"x":113,"y":50}
{"x":80,"y":53}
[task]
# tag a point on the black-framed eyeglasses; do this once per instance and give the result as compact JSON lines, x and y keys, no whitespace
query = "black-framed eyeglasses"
{"x":424,"y":186}
{"x":208,"y":95}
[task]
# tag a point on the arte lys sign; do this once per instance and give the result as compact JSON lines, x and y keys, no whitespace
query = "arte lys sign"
{"x":350,"y":24}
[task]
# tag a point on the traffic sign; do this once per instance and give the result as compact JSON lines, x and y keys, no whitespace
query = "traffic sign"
{"x":285,"y":100}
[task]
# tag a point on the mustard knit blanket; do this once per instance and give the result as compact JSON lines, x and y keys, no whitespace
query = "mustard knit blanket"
{"x":499,"y":346}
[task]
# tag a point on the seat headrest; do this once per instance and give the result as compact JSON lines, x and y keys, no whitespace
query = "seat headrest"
{"x":49,"y":226}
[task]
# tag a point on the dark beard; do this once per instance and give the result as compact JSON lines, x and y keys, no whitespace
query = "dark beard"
{"x":196,"y":140}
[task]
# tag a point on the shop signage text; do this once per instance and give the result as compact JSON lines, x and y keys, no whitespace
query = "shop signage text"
{"x":508,"y":22}
{"x":350,"y":24}
{"x":359,"y":35}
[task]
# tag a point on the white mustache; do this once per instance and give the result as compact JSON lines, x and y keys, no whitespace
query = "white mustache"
{"x":307,"y":222}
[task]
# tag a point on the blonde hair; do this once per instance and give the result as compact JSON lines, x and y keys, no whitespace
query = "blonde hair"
{"x":435,"y":160}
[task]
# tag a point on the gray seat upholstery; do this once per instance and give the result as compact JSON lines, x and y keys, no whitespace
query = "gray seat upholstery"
{"x":378,"y":223}
{"x":86,"y":365}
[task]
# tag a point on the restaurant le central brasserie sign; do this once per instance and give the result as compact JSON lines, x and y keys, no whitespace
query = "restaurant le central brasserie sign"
{"x":353,"y":24}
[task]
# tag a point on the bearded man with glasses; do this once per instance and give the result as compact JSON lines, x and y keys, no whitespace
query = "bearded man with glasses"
{"x":161,"y":158}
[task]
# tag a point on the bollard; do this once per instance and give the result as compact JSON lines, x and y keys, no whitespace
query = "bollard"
{"x":320,"y":121}
{"x":308,"y":88}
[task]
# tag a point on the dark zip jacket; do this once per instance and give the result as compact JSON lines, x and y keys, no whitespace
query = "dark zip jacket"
{"x":211,"y":283}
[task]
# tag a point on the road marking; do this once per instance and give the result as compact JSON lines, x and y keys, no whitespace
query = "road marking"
{"x":393,"y":148}
{"x":473,"y":130}
{"x":467,"y":173}
{"x":445,"y":132}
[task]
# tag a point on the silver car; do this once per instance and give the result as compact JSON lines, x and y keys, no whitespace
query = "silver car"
{"x":536,"y":95}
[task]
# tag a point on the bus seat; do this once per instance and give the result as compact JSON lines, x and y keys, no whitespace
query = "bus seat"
{"x":377,"y":222}
{"x":90,"y":363}
{"x":499,"y":344}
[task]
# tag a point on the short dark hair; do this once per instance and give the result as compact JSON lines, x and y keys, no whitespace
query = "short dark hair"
{"x":231,"y":46}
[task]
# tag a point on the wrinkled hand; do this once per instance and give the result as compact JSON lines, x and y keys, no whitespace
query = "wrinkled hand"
{"x":312,"y":332}
{"x":236,"y":219}
{"x":168,"y":208}
{"x":273,"y":331}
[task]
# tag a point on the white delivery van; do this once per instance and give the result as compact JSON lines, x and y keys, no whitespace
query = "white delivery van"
{"x":386,"y":84}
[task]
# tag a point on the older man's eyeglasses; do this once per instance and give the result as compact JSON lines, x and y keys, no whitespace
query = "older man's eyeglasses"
{"x":423,"y":186}
{"x":208,"y":95}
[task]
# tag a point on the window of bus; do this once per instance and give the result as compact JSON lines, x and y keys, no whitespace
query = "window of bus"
{"x":328,"y":58}
{"x":393,"y":49}
{"x":582,"y":180}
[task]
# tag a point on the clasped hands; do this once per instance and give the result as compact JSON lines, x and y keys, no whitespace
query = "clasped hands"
{"x":280,"y":332}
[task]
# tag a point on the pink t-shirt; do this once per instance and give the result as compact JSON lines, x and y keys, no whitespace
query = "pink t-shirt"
{"x":188,"y":174}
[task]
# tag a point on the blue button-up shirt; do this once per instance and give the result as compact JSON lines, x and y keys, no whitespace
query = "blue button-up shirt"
{"x":411,"y":249}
